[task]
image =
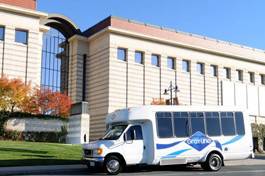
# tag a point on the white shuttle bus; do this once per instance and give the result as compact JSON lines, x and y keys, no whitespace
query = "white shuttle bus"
{"x":171,"y":135}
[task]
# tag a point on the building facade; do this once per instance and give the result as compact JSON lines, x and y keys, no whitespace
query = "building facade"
{"x":121,"y":63}
{"x":21,"y":40}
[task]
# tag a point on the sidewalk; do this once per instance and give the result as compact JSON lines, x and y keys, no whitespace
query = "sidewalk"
{"x":38,"y":169}
{"x":258,"y":160}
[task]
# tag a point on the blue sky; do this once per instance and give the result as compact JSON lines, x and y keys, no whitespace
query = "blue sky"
{"x":237,"y":21}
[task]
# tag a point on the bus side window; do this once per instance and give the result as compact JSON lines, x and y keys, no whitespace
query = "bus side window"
{"x":134,"y":130}
{"x":213,"y":124}
{"x":181,"y":124}
{"x":240,"y":128}
{"x":228,"y":125}
{"x":164,"y":124}
{"x":197,"y":122}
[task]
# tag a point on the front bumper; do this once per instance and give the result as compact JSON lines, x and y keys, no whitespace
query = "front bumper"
{"x":93,"y":161}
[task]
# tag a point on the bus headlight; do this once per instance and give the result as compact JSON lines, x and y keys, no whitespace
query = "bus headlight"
{"x":99,"y":151}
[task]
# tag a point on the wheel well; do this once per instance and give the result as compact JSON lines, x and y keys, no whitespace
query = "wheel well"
{"x":117,"y":155}
{"x":218,"y":153}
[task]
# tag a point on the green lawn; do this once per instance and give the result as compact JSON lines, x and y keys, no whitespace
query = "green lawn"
{"x":13,"y":153}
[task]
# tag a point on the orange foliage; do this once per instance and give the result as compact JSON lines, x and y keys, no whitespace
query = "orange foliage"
{"x":46,"y":101}
{"x":158,"y":101}
{"x":16,"y":96}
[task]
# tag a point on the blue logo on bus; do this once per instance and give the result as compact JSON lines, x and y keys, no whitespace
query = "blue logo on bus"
{"x":198,"y":141}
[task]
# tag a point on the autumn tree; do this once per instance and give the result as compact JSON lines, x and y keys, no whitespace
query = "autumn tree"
{"x":45,"y":101}
{"x":14,"y":93}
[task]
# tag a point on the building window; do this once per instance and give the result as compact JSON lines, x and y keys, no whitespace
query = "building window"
{"x":213,"y":70}
{"x":227,"y":72}
{"x":155,"y":60}
{"x":21,"y":36}
{"x":186,"y":66}
{"x":251,"y":77}
{"x":200,"y":68}
{"x":171,"y":63}
{"x":239,"y":75}
{"x":262,"y":79}
{"x":2,"y":33}
{"x":139,"y":57}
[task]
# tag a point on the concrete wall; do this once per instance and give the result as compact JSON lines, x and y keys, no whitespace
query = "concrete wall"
{"x":34,"y":125}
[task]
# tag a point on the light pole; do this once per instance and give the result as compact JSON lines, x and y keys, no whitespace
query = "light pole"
{"x":170,"y":89}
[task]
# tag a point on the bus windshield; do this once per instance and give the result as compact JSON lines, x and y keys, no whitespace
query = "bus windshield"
{"x":114,"y":132}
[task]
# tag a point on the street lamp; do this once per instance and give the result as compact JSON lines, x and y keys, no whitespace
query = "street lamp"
{"x":170,"y":89}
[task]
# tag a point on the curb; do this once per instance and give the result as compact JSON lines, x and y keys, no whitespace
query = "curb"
{"x":38,"y":169}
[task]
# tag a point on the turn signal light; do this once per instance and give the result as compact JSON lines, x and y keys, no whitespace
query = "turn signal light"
{"x":99,"y":151}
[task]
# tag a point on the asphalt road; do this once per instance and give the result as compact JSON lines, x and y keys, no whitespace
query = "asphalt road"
{"x":257,"y":170}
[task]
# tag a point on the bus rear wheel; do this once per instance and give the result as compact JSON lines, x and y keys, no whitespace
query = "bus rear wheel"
{"x":113,"y":165}
{"x":213,"y":162}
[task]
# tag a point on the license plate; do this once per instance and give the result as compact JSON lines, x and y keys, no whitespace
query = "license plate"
{"x":92,"y":164}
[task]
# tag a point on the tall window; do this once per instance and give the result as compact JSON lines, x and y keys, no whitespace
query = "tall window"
{"x":186,"y":66}
{"x":54,"y":62}
{"x":122,"y":54}
{"x":21,"y":36}
{"x":139,"y":57}
{"x":2,"y":33}
{"x":155,"y":60}
{"x":262,"y":79}
{"x":239,"y":75}
{"x":171,"y":63}
{"x":200,"y":68}
{"x":227,"y":72}
{"x":251,"y":77}
{"x":213,"y":70}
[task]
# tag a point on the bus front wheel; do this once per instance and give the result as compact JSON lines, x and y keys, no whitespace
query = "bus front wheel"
{"x":113,"y":165}
{"x":213,"y":162}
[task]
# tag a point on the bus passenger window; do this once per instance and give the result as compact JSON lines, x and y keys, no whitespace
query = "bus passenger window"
{"x":239,"y":123}
{"x":164,"y":124}
{"x":213,"y":123}
{"x":197,"y":122}
{"x":227,"y":121}
{"x":181,"y":124}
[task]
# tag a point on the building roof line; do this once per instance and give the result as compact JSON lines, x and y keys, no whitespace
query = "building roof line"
{"x":189,"y":34}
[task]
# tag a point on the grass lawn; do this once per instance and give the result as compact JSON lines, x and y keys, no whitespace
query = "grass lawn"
{"x":13,"y":153}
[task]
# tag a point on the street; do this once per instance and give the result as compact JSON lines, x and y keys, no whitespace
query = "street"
{"x":256,"y":170}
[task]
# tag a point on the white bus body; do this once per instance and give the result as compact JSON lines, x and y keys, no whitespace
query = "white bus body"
{"x":171,"y":135}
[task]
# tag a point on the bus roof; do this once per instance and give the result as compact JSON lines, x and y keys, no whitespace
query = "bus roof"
{"x":145,"y":112}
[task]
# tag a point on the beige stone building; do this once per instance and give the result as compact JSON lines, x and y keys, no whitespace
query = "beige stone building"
{"x":129,"y":63}
{"x":121,"y":63}
{"x":21,"y":40}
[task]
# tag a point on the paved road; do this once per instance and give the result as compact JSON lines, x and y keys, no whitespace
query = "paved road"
{"x":257,"y":170}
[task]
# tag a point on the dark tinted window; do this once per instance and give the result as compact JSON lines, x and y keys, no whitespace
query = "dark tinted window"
{"x":122,"y":54}
{"x":138,"y":133}
{"x":2,"y":33}
{"x":197,"y":122}
{"x":239,"y":123}
{"x":164,"y":124}
{"x":227,"y":121}
{"x":21,"y":36}
{"x":181,"y":124}
{"x":213,"y":123}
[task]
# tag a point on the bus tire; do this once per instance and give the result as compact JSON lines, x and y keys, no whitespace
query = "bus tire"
{"x":113,"y":165}
{"x":213,"y":162}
